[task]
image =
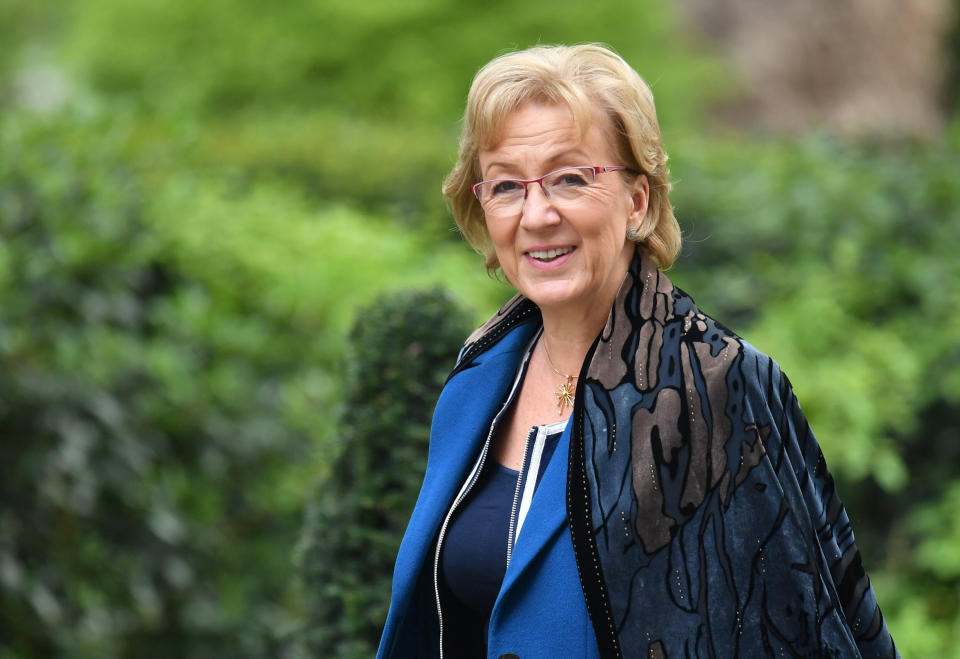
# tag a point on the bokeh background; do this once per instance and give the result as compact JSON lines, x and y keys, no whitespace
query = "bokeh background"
{"x":230,"y":289}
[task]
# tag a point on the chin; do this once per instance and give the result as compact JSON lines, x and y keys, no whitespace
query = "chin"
{"x":553,"y":297}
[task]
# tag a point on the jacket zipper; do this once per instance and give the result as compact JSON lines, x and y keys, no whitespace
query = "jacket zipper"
{"x":516,"y":497}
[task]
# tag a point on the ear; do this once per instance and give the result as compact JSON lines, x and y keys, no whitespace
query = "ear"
{"x":640,"y":198}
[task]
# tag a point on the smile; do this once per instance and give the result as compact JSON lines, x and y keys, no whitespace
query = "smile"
{"x":549,"y":254}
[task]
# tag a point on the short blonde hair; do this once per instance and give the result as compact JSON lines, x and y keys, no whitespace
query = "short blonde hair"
{"x":586,"y":78}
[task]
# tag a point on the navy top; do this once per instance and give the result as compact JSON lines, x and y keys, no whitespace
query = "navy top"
{"x":474,"y":556}
{"x":473,"y":559}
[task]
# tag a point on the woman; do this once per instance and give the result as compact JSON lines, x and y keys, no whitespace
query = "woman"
{"x":611,"y":472}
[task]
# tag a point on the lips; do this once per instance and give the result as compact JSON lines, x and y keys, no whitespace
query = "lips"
{"x":548,"y":255}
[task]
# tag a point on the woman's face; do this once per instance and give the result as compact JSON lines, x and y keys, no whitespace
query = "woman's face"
{"x":564,"y":256}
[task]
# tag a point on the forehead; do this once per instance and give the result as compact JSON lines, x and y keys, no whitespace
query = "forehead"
{"x":577,"y":119}
{"x":542,"y":131}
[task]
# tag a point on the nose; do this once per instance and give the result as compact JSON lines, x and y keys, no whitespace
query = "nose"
{"x":538,"y":210}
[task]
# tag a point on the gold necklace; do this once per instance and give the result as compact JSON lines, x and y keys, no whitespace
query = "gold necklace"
{"x":566,"y":390}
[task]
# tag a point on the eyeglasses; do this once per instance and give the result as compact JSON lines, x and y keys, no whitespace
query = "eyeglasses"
{"x":505,"y":196}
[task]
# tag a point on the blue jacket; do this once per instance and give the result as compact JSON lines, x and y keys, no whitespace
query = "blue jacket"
{"x":693,"y":516}
{"x":541,"y":585}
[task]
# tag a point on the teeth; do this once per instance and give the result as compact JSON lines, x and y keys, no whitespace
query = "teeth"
{"x":550,"y":253}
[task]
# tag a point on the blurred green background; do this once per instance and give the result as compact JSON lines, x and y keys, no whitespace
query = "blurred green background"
{"x":197,"y":199}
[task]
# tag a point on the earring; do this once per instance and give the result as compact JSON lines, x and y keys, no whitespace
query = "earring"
{"x":632,"y":233}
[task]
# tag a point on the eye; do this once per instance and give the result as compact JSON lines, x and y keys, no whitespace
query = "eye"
{"x":570,"y":178}
{"x":505,"y":187}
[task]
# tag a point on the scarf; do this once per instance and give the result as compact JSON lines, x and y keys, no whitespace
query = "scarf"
{"x":703,"y":517}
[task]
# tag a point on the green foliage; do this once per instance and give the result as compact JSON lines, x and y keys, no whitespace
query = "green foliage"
{"x":22,"y":22}
{"x":408,"y":61}
{"x":312,"y":267}
{"x":402,"y":348}
{"x":128,"y":398}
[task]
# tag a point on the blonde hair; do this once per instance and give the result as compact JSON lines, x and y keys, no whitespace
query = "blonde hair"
{"x":585,"y":78}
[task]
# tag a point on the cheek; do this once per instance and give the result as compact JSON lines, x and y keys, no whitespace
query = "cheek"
{"x":613,"y":216}
{"x":607,"y":228}
{"x":606,"y":241}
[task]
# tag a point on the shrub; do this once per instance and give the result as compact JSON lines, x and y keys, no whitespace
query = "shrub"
{"x":402,"y":348}
{"x":149,"y":496}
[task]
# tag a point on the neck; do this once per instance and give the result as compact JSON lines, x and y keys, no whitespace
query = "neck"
{"x":568,"y":340}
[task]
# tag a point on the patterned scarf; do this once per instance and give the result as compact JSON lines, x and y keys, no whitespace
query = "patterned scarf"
{"x":703,"y":518}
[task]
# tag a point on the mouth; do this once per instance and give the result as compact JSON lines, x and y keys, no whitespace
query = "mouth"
{"x":548,"y":255}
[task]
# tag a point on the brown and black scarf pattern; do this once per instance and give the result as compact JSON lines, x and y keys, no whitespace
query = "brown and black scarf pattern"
{"x":703,"y":518}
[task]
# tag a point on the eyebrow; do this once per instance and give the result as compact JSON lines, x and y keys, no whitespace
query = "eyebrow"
{"x":576,"y":151}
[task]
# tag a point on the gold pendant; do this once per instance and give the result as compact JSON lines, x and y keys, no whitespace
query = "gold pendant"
{"x":565,"y":393}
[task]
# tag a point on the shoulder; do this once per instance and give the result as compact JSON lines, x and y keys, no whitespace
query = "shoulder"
{"x":727,"y":361}
{"x":696,"y":328}
{"x":516,"y":313}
